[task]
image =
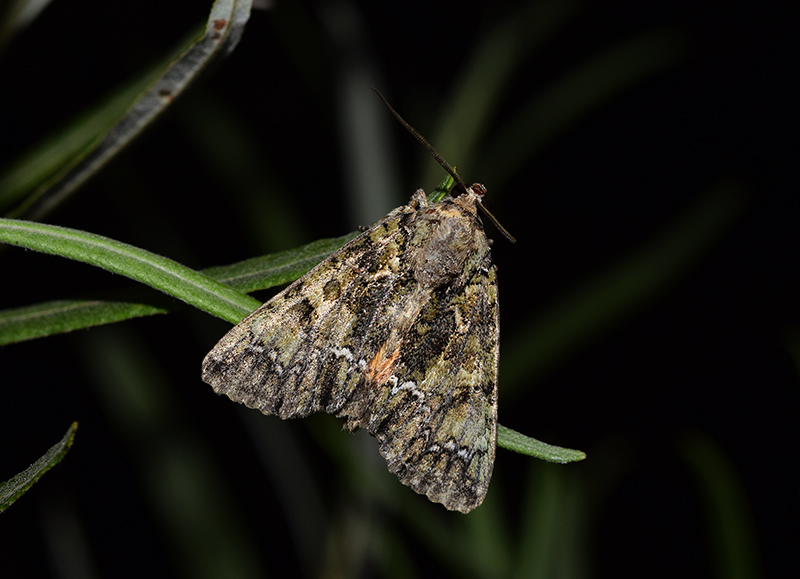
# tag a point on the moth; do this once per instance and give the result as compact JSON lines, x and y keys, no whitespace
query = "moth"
{"x":397,"y":333}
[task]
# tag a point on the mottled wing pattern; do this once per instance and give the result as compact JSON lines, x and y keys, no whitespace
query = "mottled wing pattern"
{"x":266,"y":363}
{"x":436,"y":419}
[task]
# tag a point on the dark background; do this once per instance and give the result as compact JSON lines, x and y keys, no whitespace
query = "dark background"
{"x":703,"y":370}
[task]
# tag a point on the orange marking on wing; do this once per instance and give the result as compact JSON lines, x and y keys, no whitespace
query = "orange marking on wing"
{"x":380,"y":368}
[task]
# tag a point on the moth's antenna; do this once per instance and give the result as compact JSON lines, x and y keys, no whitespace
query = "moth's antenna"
{"x":496,"y":223}
{"x":444,"y":164}
{"x":425,"y":143}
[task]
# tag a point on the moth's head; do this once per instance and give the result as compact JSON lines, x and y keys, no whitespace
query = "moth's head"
{"x":478,"y":190}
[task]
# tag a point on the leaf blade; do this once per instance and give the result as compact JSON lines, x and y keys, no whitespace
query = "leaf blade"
{"x":156,"y":271}
{"x":18,"y":485}
{"x":61,"y":316}
{"x":59,"y":167}
{"x":518,"y":442}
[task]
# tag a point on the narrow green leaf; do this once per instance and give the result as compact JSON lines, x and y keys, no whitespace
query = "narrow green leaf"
{"x":442,"y":189}
{"x":172,"y":278}
{"x":28,"y":177}
{"x":153,"y":270}
{"x":513,"y":440}
{"x":18,"y":485}
{"x":61,"y":166}
{"x":274,"y":269}
{"x":60,"y":316}
{"x":258,"y":273}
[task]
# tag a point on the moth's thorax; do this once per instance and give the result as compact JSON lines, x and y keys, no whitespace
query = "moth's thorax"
{"x":446,"y":234}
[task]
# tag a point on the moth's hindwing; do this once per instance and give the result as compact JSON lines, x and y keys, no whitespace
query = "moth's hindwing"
{"x":397,"y":332}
